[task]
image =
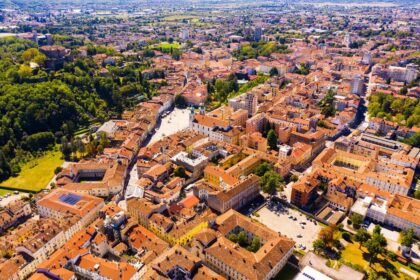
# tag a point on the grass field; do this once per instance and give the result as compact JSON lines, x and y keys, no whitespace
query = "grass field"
{"x":354,"y":255}
{"x":36,"y":174}
{"x":3,"y":192}
{"x":180,"y":17}
{"x":166,"y":45}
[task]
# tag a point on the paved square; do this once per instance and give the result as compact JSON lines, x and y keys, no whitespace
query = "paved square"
{"x":277,"y":218}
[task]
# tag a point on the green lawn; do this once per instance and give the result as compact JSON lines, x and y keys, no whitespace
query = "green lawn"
{"x":167,"y":46}
{"x":3,"y":192}
{"x":180,"y":17}
{"x":354,"y":255}
{"x":36,"y":174}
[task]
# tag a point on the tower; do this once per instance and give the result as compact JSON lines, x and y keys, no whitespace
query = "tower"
{"x":251,"y":103}
{"x":258,"y":33}
{"x":347,"y":40}
{"x":367,"y":58}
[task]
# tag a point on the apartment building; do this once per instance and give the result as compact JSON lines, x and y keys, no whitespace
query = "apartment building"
{"x":234,"y":262}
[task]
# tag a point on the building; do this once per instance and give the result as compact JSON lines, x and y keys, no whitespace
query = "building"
{"x":214,"y":128}
{"x":367,"y":58}
{"x":191,"y":162}
{"x":311,"y":273}
{"x":398,"y":211}
{"x":255,"y":124}
{"x":178,"y":263}
{"x":258,"y":32}
{"x":60,"y":203}
{"x":304,"y":191}
{"x":382,"y":174}
{"x":357,"y":85}
{"x":247,"y":101}
{"x":235,"y":196}
{"x":254,"y":141}
{"x":100,"y":177}
{"x":314,"y":267}
{"x":13,"y":212}
{"x":347,"y":40}
{"x":235,"y":262}
{"x":91,"y":267}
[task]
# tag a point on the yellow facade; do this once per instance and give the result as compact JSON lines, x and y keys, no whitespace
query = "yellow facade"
{"x":183,"y":240}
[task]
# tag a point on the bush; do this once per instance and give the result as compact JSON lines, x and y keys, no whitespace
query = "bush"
{"x":294,"y":178}
{"x":392,"y":255}
{"x":58,"y":170}
{"x":346,"y":236}
{"x":414,"y":267}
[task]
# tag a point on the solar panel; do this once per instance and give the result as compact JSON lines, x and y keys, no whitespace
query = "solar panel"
{"x":70,"y":198}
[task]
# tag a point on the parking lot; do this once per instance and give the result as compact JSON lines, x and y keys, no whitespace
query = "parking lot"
{"x":290,"y":222}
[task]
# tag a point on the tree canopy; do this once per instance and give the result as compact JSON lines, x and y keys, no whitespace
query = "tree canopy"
{"x":403,"y":111}
{"x":39,"y":106}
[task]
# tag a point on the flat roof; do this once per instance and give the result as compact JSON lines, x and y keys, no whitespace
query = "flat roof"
{"x":309,"y":273}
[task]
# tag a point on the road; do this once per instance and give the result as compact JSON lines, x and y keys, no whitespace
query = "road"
{"x":365,"y":121}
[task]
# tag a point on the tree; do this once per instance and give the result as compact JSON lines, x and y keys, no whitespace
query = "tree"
{"x":326,"y":234}
{"x":327,"y":104}
{"x":5,"y":170}
{"x":417,"y":193}
{"x":29,"y":54}
{"x":271,"y":186}
{"x":263,"y":168}
{"x":270,"y":181}
{"x":346,"y":236}
{"x":361,"y":236}
{"x":104,"y":141}
{"x":38,"y":141}
{"x":180,"y":172}
{"x":294,"y":178}
{"x":242,"y":239}
{"x":318,"y":245}
{"x":374,"y":248}
{"x":407,"y":238}
{"x":233,"y":237}
{"x":65,"y":148}
{"x":378,"y":236}
{"x":57,"y":170}
{"x":180,"y":101}
{"x":24,"y":71}
{"x":356,"y":219}
{"x":255,"y":244}
{"x":176,"y":54}
{"x":272,"y":139}
{"x":274,"y":72}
